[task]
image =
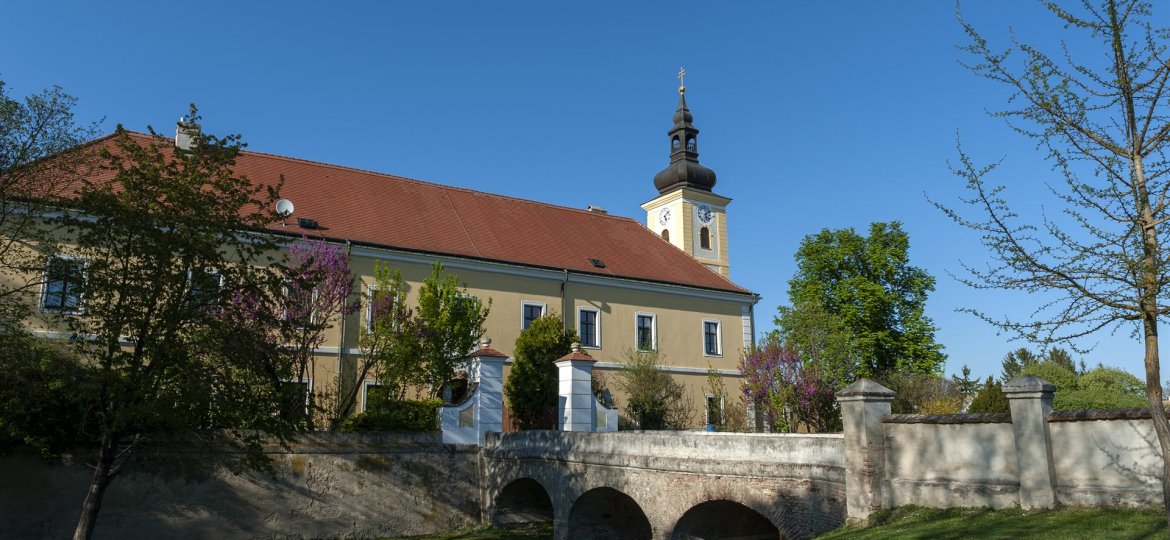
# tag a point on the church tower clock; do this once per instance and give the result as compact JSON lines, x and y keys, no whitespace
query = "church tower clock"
{"x":686,"y":212}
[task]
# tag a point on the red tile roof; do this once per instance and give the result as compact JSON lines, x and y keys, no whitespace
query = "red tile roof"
{"x":400,"y":213}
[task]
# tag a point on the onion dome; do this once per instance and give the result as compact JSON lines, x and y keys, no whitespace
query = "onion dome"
{"x":684,"y":169}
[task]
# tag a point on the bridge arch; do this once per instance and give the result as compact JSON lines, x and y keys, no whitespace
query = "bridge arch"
{"x":605,"y":512}
{"x":715,"y":519}
{"x":523,"y":500}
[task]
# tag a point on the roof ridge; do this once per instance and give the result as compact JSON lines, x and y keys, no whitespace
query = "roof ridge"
{"x":408,"y":179}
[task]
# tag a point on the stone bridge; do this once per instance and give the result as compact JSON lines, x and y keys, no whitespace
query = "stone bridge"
{"x":666,"y":485}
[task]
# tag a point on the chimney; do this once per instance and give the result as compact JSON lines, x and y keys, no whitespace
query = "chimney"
{"x":185,"y":133}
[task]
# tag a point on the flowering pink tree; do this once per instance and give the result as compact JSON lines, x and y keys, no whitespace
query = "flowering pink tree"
{"x":318,"y":288}
{"x":791,"y":390}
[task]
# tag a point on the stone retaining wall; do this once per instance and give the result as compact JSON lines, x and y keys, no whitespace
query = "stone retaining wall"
{"x":325,"y":485}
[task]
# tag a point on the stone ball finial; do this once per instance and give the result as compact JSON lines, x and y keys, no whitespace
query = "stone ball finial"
{"x":485,"y":343}
{"x":576,"y":346}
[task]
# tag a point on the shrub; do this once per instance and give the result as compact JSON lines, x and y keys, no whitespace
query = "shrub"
{"x":654,"y":400}
{"x":396,"y":415}
{"x":531,"y":388}
{"x":990,"y":399}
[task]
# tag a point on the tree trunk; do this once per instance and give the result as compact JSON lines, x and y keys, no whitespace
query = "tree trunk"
{"x":1157,"y":411}
{"x":103,"y":473}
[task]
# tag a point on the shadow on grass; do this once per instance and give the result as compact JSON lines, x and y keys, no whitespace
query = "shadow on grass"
{"x":921,"y":523}
{"x":528,"y":531}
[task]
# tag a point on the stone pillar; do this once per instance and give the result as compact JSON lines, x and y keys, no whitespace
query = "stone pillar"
{"x":575,"y":403}
{"x":863,"y":405}
{"x":1031,"y":401}
{"x":490,"y":392}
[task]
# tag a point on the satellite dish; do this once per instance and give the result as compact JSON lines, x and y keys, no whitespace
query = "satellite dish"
{"x":284,"y":208}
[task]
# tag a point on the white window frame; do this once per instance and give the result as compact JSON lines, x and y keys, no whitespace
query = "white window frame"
{"x":707,"y":408}
{"x":312,"y":313}
{"x":366,"y":385}
{"x":371,"y":289}
{"x":718,"y":338}
{"x":526,"y":303}
{"x":80,"y":309}
{"x":210,"y":271}
{"x":596,"y":327}
{"x":653,"y":331}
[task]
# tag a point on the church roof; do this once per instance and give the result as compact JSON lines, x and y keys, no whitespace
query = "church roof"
{"x":390,"y":211}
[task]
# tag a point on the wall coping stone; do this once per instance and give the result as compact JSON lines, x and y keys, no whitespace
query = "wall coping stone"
{"x":865,"y":388}
{"x":1140,"y":413}
{"x":966,"y":418}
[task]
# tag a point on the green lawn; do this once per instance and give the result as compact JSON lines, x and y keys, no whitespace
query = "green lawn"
{"x":916,"y":522}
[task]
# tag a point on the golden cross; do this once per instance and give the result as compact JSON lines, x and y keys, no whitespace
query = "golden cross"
{"x":682,"y":72}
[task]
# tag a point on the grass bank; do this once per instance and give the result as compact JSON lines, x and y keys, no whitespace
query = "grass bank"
{"x":920,"y":523}
{"x":526,"y":532}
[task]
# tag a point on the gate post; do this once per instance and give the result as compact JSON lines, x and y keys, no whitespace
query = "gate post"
{"x":575,"y":403}
{"x":1031,"y":401}
{"x":863,"y":405}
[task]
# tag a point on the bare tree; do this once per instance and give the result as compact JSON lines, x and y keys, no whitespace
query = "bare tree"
{"x":1103,"y":121}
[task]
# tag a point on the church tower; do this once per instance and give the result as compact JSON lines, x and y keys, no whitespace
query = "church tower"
{"x":686,"y":213}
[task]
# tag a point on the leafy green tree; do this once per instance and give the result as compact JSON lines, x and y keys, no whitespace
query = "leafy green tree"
{"x":860,"y":305}
{"x":654,"y":400}
{"x":164,"y":353}
{"x":990,"y":399}
{"x":450,"y":324}
{"x":32,"y":129}
{"x":1100,"y":114}
{"x":1103,"y":388}
{"x":532,"y":386}
{"x":390,"y":346}
{"x":1055,"y":373}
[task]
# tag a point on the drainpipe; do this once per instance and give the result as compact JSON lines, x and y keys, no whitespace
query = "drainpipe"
{"x":341,"y":345}
{"x":565,"y":304}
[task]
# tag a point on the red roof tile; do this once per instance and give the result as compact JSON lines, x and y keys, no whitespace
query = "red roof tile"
{"x":395,"y":212}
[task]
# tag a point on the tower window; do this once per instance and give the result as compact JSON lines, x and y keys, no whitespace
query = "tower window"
{"x":691,"y":144}
{"x":666,"y":234}
{"x":674,"y":144}
{"x":705,"y":238}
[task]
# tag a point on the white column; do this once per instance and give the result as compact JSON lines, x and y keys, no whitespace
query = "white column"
{"x":575,"y":403}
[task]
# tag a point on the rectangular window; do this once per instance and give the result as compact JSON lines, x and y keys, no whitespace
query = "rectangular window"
{"x":377,"y":306}
{"x":589,"y":327}
{"x":205,"y":287}
{"x":63,"y":281}
{"x":714,"y":411}
{"x":645,"y":332}
{"x":372,"y":393}
{"x":531,"y":312}
{"x":299,"y":304}
{"x":712,"y":341}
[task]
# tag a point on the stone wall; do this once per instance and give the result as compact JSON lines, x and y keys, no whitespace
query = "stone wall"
{"x":326,"y":485}
{"x":1033,"y":457}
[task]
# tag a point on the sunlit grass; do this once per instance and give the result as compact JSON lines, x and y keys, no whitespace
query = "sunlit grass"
{"x":912,"y":522}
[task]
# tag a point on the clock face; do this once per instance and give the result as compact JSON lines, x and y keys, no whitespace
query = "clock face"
{"x":705,"y":214}
{"x":664,"y":216}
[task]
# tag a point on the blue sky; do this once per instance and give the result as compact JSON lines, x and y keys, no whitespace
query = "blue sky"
{"x":814,"y":114}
